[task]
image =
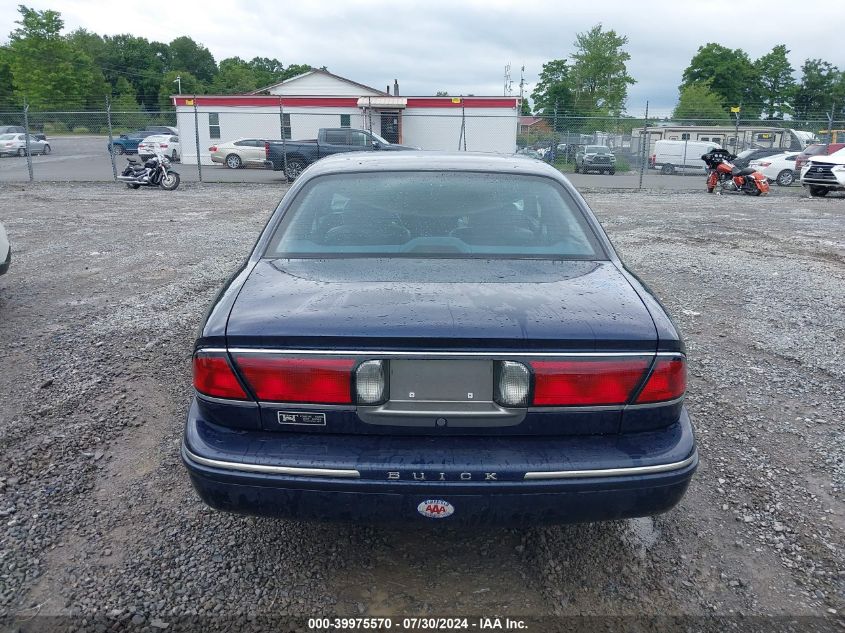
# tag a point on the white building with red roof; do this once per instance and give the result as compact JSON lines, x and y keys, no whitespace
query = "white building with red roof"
{"x":298,"y":107}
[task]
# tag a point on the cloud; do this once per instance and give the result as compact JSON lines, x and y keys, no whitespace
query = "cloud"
{"x":460,"y":47}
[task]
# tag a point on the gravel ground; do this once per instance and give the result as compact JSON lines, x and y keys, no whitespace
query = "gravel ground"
{"x":98,"y":520}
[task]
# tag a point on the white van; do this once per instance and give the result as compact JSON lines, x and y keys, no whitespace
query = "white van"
{"x":671,"y":156}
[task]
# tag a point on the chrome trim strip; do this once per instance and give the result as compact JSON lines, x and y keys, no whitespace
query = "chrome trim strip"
{"x":306,"y":406}
{"x":611,"y":472}
{"x":211,"y":350}
{"x":247,"y":404}
{"x":271,"y":470}
{"x":432,"y":354}
{"x":652,"y":405}
{"x":606,"y":407}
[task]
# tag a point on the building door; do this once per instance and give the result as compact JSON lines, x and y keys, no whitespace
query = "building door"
{"x":390,"y":127}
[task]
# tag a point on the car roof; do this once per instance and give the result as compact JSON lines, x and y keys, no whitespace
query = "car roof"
{"x":783,"y":153}
{"x":155,"y":137}
{"x":421,"y":160}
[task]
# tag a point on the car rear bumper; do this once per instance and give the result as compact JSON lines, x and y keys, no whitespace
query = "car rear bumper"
{"x":487,"y":480}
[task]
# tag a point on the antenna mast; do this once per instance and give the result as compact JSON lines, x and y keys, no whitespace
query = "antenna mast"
{"x":508,"y":82}
{"x":522,"y":83}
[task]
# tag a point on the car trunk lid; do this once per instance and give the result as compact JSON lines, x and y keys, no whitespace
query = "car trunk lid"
{"x":440,"y":304}
{"x":442,"y":329}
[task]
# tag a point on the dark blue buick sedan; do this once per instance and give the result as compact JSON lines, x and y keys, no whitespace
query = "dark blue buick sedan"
{"x":438,"y":337}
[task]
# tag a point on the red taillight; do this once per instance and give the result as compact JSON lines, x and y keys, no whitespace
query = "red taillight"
{"x":586,"y":382}
{"x":213,"y":148}
{"x":214,"y":377}
{"x":266,"y":150}
{"x":319,"y":381}
{"x":164,"y":145}
{"x":668,"y":381}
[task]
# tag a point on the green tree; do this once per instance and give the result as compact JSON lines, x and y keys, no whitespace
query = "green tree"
{"x":816,"y":92}
{"x":700,"y":105}
{"x":186,"y":54}
{"x":268,"y":71}
{"x":235,"y":76}
{"x":126,"y":111}
{"x":729,"y":73}
{"x":141,"y":62}
{"x":777,"y":84}
{"x":554,"y":89}
{"x":525,"y":107}
{"x":190,"y":86}
{"x":599,"y":75}
{"x":46,"y":69}
{"x":89,"y":43}
{"x":296,"y":69}
{"x":7,"y":94}
{"x":838,"y":94}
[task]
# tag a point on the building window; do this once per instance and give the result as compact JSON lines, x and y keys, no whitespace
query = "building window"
{"x":684,"y":137}
{"x":214,"y":125}
{"x":345,"y":120}
{"x":286,"y":127}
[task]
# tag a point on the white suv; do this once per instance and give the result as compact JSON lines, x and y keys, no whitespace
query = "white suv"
{"x":823,"y":174}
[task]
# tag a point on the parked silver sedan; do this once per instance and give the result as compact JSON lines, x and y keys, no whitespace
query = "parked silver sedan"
{"x":5,"y":251}
{"x":15,"y":144}
{"x":239,"y":153}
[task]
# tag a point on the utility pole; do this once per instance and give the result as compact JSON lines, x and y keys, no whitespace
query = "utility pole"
{"x":646,"y":145}
{"x":830,"y":122}
{"x":736,"y":110}
{"x":26,"y":138}
{"x":111,"y":138}
{"x":178,"y":82}
{"x":522,"y":83}
{"x":197,"y":136}
{"x":284,"y":144}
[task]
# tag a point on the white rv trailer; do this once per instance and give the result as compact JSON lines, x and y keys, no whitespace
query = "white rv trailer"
{"x":749,"y":136}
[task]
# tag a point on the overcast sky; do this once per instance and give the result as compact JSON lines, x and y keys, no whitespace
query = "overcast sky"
{"x":461,"y":46}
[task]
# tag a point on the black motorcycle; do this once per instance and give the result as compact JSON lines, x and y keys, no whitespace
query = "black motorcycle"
{"x":155,"y":172}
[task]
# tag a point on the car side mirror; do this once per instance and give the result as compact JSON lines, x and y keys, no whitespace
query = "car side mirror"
{"x":376,"y":145}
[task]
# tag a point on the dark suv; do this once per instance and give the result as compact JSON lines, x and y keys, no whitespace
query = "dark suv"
{"x":595,"y":158}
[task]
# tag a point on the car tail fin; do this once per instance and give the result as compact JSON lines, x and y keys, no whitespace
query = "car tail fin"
{"x":213,"y":376}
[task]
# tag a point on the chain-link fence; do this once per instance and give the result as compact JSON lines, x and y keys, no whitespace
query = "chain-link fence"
{"x":261,"y":144}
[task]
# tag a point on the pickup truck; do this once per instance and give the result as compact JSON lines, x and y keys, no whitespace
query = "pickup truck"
{"x":329,"y":141}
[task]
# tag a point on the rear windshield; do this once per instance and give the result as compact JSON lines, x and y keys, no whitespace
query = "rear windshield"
{"x":597,"y":149}
{"x":434,"y":214}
